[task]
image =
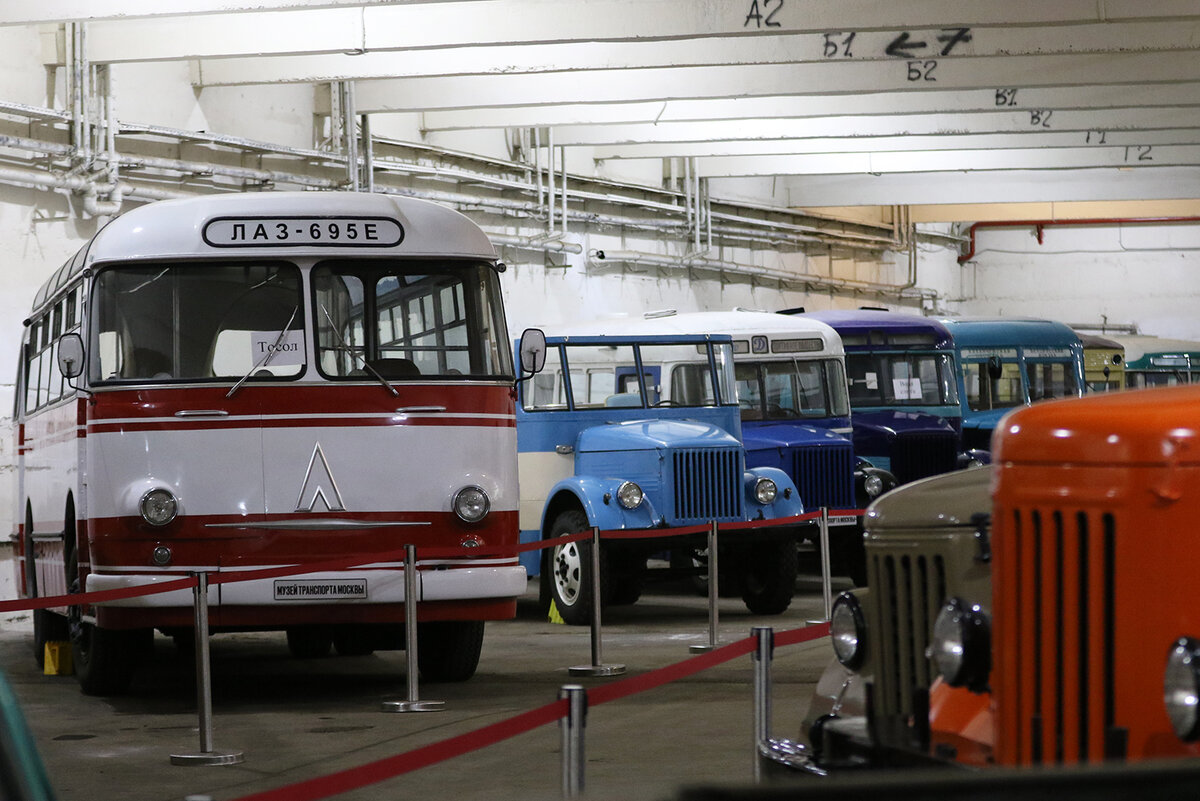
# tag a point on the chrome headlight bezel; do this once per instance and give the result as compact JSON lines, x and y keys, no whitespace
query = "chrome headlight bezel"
{"x":848,"y":631}
{"x":961,"y":645}
{"x":472,"y":504}
{"x":158,"y":506}
{"x":873,"y":486}
{"x":630,"y":495}
{"x":1181,"y":688}
{"x":765,"y":491}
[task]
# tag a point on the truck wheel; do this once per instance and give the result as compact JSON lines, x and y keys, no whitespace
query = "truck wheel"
{"x":569,"y":574}
{"x":769,"y":576}
{"x":448,"y":650}
{"x":106,"y":659}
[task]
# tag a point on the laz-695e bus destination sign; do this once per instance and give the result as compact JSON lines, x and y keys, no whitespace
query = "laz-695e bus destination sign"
{"x":366,"y":232}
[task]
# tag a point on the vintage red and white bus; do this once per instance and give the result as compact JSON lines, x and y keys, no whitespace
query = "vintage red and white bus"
{"x":233,"y":382}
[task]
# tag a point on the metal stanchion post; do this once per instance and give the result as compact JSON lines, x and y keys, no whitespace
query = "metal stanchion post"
{"x":763,"y":652}
{"x":597,"y":668}
{"x":826,"y":570}
{"x":713,"y":593}
{"x":412,"y":703}
{"x":206,"y":756}
{"x":572,"y":739}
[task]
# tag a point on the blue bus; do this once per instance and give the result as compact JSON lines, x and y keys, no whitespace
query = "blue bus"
{"x":643,"y":432}
{"x":1152,"y":361}
{"x":1007,"y":362}
{"x":904,"y":393}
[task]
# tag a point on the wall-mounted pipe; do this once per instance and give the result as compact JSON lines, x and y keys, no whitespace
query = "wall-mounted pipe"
{"x":1040,"y":225}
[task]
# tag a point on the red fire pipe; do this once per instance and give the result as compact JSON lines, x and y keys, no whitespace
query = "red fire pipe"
{"x":1040,"y":225}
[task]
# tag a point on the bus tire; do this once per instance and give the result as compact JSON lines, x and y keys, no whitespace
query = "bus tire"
{"x":769,"y":576}
{"x":569,"y":576}
{"x":106,"y":659}
{"x":448,"y":650}
{"x":309,"y":642}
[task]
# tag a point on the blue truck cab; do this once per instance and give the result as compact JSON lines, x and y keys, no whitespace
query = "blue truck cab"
{"x":903,"y":386}
{"x":1005,"y":362}
{"x":624,"y":433}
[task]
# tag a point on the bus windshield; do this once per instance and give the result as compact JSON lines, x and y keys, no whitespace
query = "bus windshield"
{"x":901,"y":379}
{"x":785,"y":390}
{"x":197,"y":322}
{"x":408,"y":320}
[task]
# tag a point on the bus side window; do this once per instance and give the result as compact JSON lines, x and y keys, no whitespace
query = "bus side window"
{"x":31,"y":366}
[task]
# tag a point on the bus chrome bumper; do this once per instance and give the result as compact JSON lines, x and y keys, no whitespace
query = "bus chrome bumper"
{"x":368,"y":586}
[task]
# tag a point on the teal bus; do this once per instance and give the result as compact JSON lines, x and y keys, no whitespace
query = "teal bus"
{"x":1006,"y":362}
{"x":1156,"y":362}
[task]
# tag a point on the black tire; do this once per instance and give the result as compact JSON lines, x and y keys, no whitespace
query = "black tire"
{"x":106,"y":659}
{"x":769,"y":576}
{"x":309,"y":642}
{"x":569,"y":577}
{"x":448,"y":650}
{"x":47,"y":627}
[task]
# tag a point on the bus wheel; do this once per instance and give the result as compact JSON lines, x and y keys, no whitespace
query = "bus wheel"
{"x":570,"y":570}
{"x":769,"y":576}
{"x":106,"y":659}
{"x":309,"y":642}
{"x":448,"y":650}
{"x":47,"y":627}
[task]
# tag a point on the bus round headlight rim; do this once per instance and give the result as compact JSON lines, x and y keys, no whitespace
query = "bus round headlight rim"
{"x":158,"y":506}
{"x":848,"y":631}
{"x":1181,"y":688}
{"x":873,"y":486}
{"x":471,"y":504}
{"x":961,"y":645}
{"x":629,"y":495}
{"x":765,"y":491}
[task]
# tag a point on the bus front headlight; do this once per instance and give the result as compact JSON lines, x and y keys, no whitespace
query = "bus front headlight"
{"x":848,"y":630}
{"x":1181,"y":688}
{"x":158,"y":507}
{"x":765,"y":491}
{"x":873,"y":485}
{"x":961,"y":645}
{"x":471,"y":504}
{"x":629,"y":495}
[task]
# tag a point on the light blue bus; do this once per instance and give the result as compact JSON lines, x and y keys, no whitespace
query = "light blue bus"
{"x":1007,"y":362}
{"x":637,"y":432}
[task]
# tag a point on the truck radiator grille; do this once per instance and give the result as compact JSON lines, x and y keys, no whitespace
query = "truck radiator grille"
{"x":907,"y":591}
{"x":1054,"y":679}
{"x":708,"y":484}
{"x":825,"y":476}
{"x":921,"y":455}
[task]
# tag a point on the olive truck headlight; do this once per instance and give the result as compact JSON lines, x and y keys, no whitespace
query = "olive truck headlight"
{"x":848,"y":630}
{"x":158,"y":507}
{"x":471,"y":504}
{"x":765,"y":491}
{"x":629,"y":495}
{"x":1181,"y":688}
{"x":961,"y":647}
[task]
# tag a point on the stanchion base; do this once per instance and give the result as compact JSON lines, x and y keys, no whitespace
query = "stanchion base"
{"x":596,"y":670}
{"x":815,"y":622}
{"x":701,"y":649}
{"x":209,"y":758}
{"x":413,"y":706}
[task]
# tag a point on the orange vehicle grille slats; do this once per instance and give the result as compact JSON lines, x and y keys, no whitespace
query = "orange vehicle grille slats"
{"x":1054,"y":633}
{"x":911,"y":590}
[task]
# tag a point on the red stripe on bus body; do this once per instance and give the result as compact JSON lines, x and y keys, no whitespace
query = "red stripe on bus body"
{"x":210,"y":424}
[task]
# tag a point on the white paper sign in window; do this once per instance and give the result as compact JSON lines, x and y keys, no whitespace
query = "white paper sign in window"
{"x":288,"y":349}
{"x":906,"y":388}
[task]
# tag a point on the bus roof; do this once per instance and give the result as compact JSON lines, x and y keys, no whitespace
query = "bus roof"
{"x":176,"y":229}
{"x":1009,"y":332}
{"x":1139,"y":346}
{"x":1097,"y":341}
{"x":740,"y":324}
{"x":862,"y":322}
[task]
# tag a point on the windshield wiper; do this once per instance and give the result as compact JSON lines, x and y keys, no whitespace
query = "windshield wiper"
{"x":271,"y":351}
{"x":353,"y":353}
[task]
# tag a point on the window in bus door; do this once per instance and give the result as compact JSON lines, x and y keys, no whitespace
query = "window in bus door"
{"x":983,"y":393}
{"x":1048,"y":380}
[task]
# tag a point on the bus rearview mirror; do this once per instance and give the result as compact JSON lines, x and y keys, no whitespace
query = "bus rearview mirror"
{"x":70,"y":355}
{"x":533,"y":351}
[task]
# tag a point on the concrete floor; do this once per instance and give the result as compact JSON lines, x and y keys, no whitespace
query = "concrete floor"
{"x":299,"y":719}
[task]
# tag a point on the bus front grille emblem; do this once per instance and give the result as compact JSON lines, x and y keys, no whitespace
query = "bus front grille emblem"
{"x":319,"y":483}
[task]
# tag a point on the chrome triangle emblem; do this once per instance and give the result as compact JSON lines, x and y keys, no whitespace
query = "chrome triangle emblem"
{"x":319,"y":483}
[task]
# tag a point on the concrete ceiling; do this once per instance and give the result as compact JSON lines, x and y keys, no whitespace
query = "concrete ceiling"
{"x":850,"y":101}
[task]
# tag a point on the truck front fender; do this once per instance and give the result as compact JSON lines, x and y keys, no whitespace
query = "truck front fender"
{"x":787,"y":502}
{"x":598,"y":499}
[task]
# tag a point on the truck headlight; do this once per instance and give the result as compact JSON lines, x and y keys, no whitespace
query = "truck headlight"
{"x":471,"y":504}
{"x":629,"y":495}
{"x":962,"y":644}
{"x":848,"y":630}
{"x":873,"y":485}
{"x":765,"y":491}
{"x":158,"y":507}
{"x":1181,"y":688}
